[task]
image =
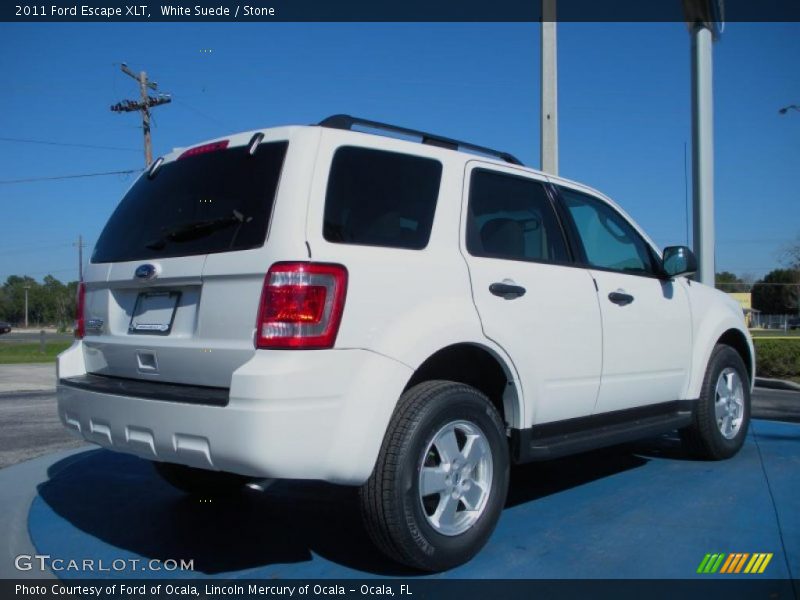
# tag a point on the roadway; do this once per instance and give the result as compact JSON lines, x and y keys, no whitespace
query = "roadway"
{"x":32,"y":335}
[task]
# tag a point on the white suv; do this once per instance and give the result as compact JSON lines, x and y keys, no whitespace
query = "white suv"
{"x":317,"y":302}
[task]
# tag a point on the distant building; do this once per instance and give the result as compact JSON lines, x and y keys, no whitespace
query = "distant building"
{"x":745,"y":299}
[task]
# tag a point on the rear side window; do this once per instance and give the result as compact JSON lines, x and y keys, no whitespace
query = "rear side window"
{"x":511,"y":217}
{"x":379,"y":198}
{"x":212,"y":202}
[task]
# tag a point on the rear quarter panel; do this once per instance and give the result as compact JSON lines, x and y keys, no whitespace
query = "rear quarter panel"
{"x":404,"y":304}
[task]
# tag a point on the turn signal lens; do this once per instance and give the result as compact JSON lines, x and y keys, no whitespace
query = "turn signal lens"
{"x":80,"y":305}
{"x":301,"y":306}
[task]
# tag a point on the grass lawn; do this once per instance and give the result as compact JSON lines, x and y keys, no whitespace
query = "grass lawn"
{"x":775,"y":333}
{"x":16,"y":353}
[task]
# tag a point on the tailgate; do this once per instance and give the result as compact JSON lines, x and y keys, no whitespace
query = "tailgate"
{"x":174,"y":287}
{"x":172,"y":328}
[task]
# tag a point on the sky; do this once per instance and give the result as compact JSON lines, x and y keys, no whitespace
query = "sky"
{"x":624,"y":114}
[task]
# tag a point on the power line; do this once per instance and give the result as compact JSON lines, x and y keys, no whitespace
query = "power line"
{"x":32,"y":179}
{"x":199,"y":112}
{"x":46,"y":143}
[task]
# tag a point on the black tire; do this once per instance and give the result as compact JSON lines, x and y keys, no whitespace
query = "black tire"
{"x":703,"y":438}
{"x":200,"y":482}
{"x":392,"y":508}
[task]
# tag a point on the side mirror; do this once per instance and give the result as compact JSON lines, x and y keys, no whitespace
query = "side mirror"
{"x":679,"y":260}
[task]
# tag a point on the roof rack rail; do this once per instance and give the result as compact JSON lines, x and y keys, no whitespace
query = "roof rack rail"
{"x":348,"y":122}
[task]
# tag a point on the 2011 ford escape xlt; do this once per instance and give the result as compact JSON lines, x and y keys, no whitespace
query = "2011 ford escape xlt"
{"x":318,"y":302}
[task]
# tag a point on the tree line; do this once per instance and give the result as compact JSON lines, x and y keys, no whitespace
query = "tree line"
{"x":776,"y":293}
{"x":50,"y":303}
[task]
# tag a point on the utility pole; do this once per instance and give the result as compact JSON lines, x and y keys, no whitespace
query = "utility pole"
{"x":548,"y":141}
{"x":80,"y":246}
{"x":27,"y":287}
{"x":144,"y":105}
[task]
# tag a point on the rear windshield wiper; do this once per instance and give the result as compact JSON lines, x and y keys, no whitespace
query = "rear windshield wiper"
{"x":197,"y":229}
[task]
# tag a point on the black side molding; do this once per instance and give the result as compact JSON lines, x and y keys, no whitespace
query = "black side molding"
{"x":572,"y":436}
{"x":151,"y":390}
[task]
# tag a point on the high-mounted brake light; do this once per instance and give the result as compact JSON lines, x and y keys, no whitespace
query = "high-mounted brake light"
{"x":301,"y":305}
{"x":80,"y":309}
{"x":212,"y":147}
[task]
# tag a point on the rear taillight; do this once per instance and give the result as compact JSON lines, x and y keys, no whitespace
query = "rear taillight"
{"x":301,"y":306}
{"x":80,"y":305}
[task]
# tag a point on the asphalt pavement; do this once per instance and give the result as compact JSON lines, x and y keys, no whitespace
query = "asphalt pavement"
{"x":776,"y":405}
{"x":37,"y":377}
{"x":30,"y":427}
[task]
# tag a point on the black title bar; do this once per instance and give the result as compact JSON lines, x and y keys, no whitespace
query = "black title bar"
{"x":396,"y":589}
{"x":386,"y":11}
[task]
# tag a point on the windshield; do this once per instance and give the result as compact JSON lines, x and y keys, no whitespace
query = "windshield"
{"x":218,"y":201}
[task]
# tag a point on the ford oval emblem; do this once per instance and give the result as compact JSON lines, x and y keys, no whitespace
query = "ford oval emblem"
{"x":146,"y":271}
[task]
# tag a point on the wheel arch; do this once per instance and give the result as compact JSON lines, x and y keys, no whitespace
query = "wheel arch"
{"x":726,"y":333}
{"x":738,"y":341}
{"x":480,"y":367}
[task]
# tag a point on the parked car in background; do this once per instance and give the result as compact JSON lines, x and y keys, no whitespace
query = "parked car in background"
{"x":4,"y":327}
{"x":321,"y":303}
{"x":793,"y":323}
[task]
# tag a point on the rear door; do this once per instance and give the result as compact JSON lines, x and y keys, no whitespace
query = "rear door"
{"x":156,"y":315}
{"x":531,"y":300}
{"x":646,"y":320}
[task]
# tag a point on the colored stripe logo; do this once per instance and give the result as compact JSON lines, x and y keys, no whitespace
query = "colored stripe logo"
{"x":738,"y":562}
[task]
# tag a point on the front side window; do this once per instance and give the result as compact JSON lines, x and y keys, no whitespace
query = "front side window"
{"x":511,"y":217}
{"x":379,"y":198}
{"x":610,"y":242}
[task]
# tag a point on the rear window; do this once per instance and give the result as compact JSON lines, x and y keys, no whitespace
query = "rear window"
{"x":380,"y":198}
{"x":217,"y":201}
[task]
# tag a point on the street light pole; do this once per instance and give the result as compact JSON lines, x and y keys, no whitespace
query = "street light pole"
{"x":703,"y":151}
{"x":705,"y":20}
{"x":548,"y":140}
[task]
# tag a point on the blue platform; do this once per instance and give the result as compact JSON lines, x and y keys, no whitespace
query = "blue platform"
{"x":636,"y":511}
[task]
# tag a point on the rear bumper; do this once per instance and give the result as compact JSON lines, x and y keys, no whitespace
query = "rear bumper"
{"x":290,"y":414}
{"x":153,"y":390}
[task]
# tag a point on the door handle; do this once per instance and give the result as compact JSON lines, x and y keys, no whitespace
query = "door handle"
{"x":620,"y":298}
{"x":507,"y":290}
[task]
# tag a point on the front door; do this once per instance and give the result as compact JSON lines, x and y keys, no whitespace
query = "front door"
{"x":647,"y":336}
